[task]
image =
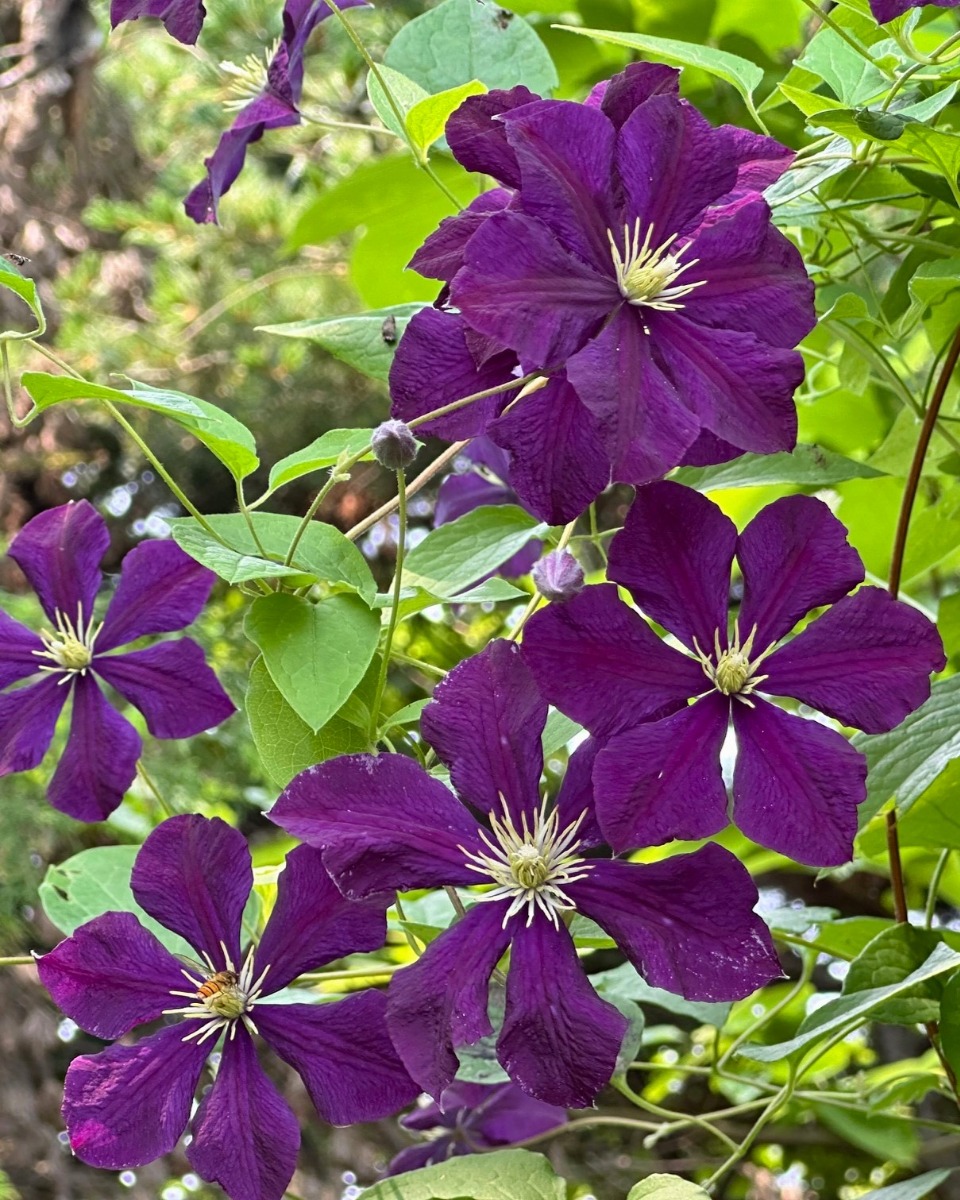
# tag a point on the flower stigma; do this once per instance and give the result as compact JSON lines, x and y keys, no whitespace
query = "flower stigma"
{"x":733,"y":671}
{"x":530,"y":866}
{"x":70,"y":648}
{"x":646,"y":275}
{"x":221,"y":998}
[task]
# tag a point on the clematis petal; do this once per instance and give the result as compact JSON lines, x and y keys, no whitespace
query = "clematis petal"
{"x":508,"y":1114}
{"x":643,"y":422}
{"x":28,"y":718}
{"x":885,"y":10}
{"x":99,"y":761}
{"x":477,"y":135}
{"x":521,"y":286}
{"x":599,"y":662}
{"x":441,"y":255}
{"x":19,"y":648}
{"x":559,"y":1040}
{"x":161,"y":589}
{"x":311,"y":923}
{"x":794,"y":556}
{"x":687,"y":923}
{"x":796,"y":785}
{"x":383,"y":823}
{"x":440,"y":1001}
{"x":674,"y":554}
{"x":60,"y":552}
{"x":662,"y":780}
{"x":245,"y":1137}
{"x":172,"y":686}
{"x":193,"y":874}
{"x":344,"y":1055}
{"x":485,"y":723}
{"x":866,"y":661}
{"x":425,"y":1154}
{"x":433,"y":367}
{"x":576,"y":794}
{"x":182,"y":19}
{"x":634,"y":85}
{"x":128,"y":1105}
{"x":111,"y":974}
{"x":709,"y":449}
{"x":558,"y":463}
{"x":760,"y":160}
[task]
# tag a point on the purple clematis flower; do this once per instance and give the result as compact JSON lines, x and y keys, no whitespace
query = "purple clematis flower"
{"x":182,"y":19}
{"x":686,"y":923}
{"x":129,"y":1104}
{"x":272,"y":107}
{"x":474,"y":1117}
{"x":865,"y":662}
{"x":161,"y":589}
{"x":885,"y":10}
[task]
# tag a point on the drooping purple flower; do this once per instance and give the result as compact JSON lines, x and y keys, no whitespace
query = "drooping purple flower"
{"x":182,"y":19}
{"x":274,"y":106}
{"x":161,"y":590}
{"x":885,"y":10}
{"x":866,"y":662}
{"x":471,"y":1118}
{"x":129,"y":1104}
{"x":686,"y":923}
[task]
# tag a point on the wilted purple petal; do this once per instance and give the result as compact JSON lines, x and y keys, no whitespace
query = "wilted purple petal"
{"x":193,"y":874}
{"x":382,"y":821}
{"x":635,"y":84}
{"x":343,"y":1053}
{"x":796,"y":785}
{"x":559,"y":1040}
{"x":19,"y":648}
{"x":28,"y":718}
{"x":182,"y":19}
{"x":478,"y":137}
{"x":60,"y":552}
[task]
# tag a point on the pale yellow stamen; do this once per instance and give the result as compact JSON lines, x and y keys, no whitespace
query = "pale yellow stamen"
{"x":70,"y":647}
{"x":733,"y":671}
{"x":646,"y":275}
{"x":221,"y":999}
{"x":249,"y":79}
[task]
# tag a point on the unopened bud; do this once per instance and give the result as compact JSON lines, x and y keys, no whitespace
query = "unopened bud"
{"x":394,"y":445}
{"x":558,"y":576}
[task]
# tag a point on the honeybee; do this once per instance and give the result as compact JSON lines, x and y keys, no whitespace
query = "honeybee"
{"x":216,"y":984}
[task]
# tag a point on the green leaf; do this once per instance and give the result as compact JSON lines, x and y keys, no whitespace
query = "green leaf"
{"x":365,"y":341}
{"x":232,"y":565}
{"x":461,"y":40}
{"x":324,"y":451}
{"x":903,"y":763}
{"x":884,"y":1136}
{"x":453,"y":556}
{"x":846,"y":1010}
{"x":852,"y":78}
{"x":739,"y":72}
{"x":911,"y":1189}
{"x":950,"y":1022}
{"x":500,"y":1175}
{"x":408,"y":715}
{"x":889,"y":958}
{"x":666,"y":1187}
{"x":427,"y":119}
{"x":286,"y":744}
{"x":558,"y":730}
{"x":934,"y":282}
{"x":316,"y":654}
{"x":625,"y":983}
{"x":26,"y":289}
{"x":404,"y":91}
{"x":847,"y":937}
{"x":811,"y":466}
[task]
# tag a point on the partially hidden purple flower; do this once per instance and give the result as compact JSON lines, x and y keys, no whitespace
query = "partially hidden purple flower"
{"x":130,"y":1103}
{"x":474,"y":1117}
{"x":274,"y":106}
{"x":885,"y":10}
{"x":182,"y":19}
{"x":630,"y":257}
{"x":161,"y":590}
{"x":686,"y":923}
{"x":866,"y":662}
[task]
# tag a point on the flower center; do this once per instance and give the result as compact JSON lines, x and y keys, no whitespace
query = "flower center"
{"x":221,"y":998}
{"x":646,"y":274}
{"x":733,"y":671}
{"x":531,"y":865}
{"x":70,"y":647}
{"x":248,"y":80}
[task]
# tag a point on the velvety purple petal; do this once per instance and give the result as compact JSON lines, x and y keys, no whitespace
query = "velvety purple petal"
{"x":576,"y":796}
{"x":867,"y":661}
{"x":343,"y":1053}
{"x":519,"y":285}
{"x":182,"y":19}
{"x":634,"y":85}
{"x":558,"y":463}
{"x":112,"y":974}
{"x":193,"y":874}
{"x":747,"y":270}
{"x":709,"y":449}
{"x":794,"y":556}
{"x":312,"y":923}
{"x":128,"y":1105}
{"x":599,"y":662}
{"x":441,"y":255}
{"x":478,"y":138}
{"x":509,"y":1115}
{"x":796,"y":785}
{"x":485,"y":723}
{"x":886,"y":10}
{"x":425,"y":1154}
{"x":19,"y":647}
{"x":463,"y":493}
{"x":687,"y":923}
{"x":674,"y":554}
{"x":99,"y":761}
{"x":643,"y":421}
{"x":161,"y":589}
{"x":760,"y":160}
{"x":226,"y":162}
{"x":672,"y":164}
{"x":60,"y":552}
{"x":433,"y":367}
{"x":172,"y":686}
{"x":662,"y":780}
{"x":440,"y":1001}
{"x":559,"y":1040}
{"x":740,"y":387}
{"x":565,"y":154}
{"x":28,"y":718}
{"x":382,"y":821}
{"x":245,"y":1137}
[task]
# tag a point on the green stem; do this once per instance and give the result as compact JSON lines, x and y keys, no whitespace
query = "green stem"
{"x":358,"y":973}
{"x":395,"y":606}
{"x":242,"y":505}
{"x":15,"y":421}
{"x":809,"y":962}
{"x":455,"y":405}
{"x":17,"y":960}
{"x":740,"y":1151}
{"x":157,"y":794}
{"x":847,"y":37}
{"x":676,"y":1120}
{"x":421,"y":480}
{"x":934,"y":888}
{"x":333,"y":479}
{"x":418,"y":664}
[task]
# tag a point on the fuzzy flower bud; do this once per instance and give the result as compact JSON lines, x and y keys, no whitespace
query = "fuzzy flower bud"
{"x":558,"y":576}
{"x":394,"y":445}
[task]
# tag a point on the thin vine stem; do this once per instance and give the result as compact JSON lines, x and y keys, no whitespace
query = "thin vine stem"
{"x":847,"y":37}
{"x":148,"y":782}
{"x":415,"y":485}
{"x":934,"y":888}
{"x":17,"y":960}
{"x":394,"y":607}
